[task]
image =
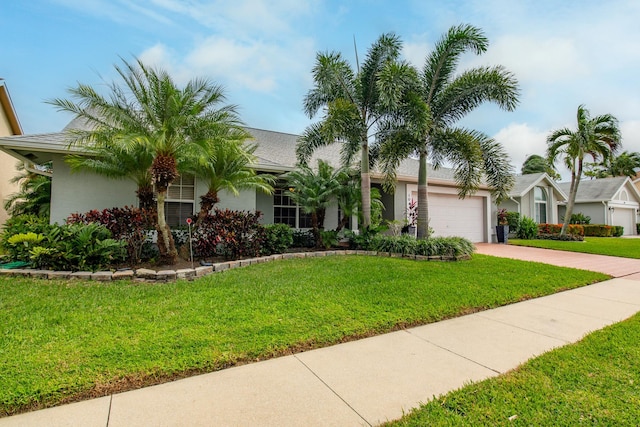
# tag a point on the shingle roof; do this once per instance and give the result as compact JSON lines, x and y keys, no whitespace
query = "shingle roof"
{"x":596,"y":189}
{"x":524,"y":183}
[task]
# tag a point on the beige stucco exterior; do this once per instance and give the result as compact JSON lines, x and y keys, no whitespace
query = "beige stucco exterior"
{"x":9,"y":125}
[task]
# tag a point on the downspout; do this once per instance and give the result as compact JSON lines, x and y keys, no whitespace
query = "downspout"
{"x":606,"y":212}
{"x":517,"y":203}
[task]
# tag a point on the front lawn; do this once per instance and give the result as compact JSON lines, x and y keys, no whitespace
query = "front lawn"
{"x":65,"y":340}
{"x":592,"y":382}
{"x":614,"y":246}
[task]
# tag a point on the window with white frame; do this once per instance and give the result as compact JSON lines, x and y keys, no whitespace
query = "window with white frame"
{"x":180,"y":200}
{"x":540,"y":202}
{"x":285,"y":211}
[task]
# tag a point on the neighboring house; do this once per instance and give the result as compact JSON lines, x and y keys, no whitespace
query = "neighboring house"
{"x":9,"y":125}
{"x":536,"y":196}
{"x":610,"y":201}
{"x":80,"y":192}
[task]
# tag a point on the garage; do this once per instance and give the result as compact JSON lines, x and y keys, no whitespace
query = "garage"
{"x":452,"y":216}
{"x":625,"y":217}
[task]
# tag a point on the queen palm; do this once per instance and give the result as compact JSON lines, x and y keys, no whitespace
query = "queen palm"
{"x":597,"y":137}
{"x":623,"y":164}
{"x":538,"y":164}
{"x":228,"y":166}
{"x":151,"y":114}
{"x":34,"y":195}
{"x":353,"y":107}
{"x":433,"y":104}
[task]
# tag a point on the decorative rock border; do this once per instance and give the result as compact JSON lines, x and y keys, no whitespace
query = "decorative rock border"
{"x":147,"y":275}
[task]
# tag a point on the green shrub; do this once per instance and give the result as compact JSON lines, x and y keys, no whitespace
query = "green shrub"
{"x":618,"y":230}
{"x":434,"y":246}
{"x":278,"y":238}
{"x":403,"y":244}
{"x":527,"y":228}
{"x":513,"y":220}
{"x":20,"y":245}
{"x":363,"y":239}
{"x":329,"y":238}
{"x":22,"y":224}
{"x":598,"y":230}
{"x":579,"y":218}
{"x":574,"y":229}
{"x":303,"y":239}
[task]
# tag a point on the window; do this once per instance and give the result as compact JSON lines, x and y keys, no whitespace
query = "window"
{"x":540,"y":202}
{"x":285,"y":211}
{"x":180,"y":200}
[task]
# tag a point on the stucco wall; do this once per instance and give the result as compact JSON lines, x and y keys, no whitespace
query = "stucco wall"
{"x":7,"y":168}
{"x":83,"y":191}
{"x":595,"y":210}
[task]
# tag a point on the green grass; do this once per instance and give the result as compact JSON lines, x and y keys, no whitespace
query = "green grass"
{"x":68,"y":340}
{"x":614,"y":246}
{"x":593,"y":382}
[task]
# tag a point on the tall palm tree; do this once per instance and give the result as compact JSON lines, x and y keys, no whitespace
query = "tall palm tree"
{"x":429,"y":110}
{"x":353,"y":107}
{"x":597,"y":137}
{"x":34,"y":195}
{"x":313,"y":191}
{"x":150,"y":113}
{"x":227,"y":166}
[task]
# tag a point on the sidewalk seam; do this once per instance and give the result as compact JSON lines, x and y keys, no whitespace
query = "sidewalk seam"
{"x":109,"y":413}
{"x":333,"y":391}
{"x":479,"y":314}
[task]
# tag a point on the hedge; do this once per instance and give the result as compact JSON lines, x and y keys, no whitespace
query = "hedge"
{"x":574,"y":229}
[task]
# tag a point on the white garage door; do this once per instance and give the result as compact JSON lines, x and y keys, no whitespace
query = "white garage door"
{"x":451,"y":216}
{"x":626,"y":218}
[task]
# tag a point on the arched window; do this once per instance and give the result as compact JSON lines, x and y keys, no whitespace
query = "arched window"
{"x":624,"y":196}
{"x":540,"y":201}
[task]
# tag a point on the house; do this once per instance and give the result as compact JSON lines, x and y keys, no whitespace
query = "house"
{"x":9,"y":125}
{"x":536,"y":196}
{"x":79,"y":192}
{"x":610,"y":201}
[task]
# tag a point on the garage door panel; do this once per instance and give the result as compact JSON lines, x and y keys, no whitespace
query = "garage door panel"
{"x":625,"y":217}
{"x":452,"y":216}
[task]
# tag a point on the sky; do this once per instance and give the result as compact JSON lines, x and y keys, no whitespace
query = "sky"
{"x":564,"y":53}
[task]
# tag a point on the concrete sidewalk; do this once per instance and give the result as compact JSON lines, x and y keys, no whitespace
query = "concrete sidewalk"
{"x":369,"y":381}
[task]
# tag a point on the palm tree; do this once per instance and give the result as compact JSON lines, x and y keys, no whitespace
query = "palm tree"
{"x":429,"y":110}
{"x":624,"y":164}
{"x":151,"y":114}
{"x":314,"y":191}
{"x":227,"y":166}
{"x":353,"y":107}
{"x":34,"y":196}
{"x":598,"y":137}
{"x":538,"y":164}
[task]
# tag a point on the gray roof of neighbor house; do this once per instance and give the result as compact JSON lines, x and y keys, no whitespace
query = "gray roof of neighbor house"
{"x":524,"y":183}
{"x":276,"y":152}
{"x":592,"y":190}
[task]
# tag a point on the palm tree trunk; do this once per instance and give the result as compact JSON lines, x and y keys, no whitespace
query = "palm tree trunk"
{"x":166,"y":245}
{"x":207,"y":202}
{"x":573,"y":191}
{"x":365,"y":187}
{"x":423,"y":199}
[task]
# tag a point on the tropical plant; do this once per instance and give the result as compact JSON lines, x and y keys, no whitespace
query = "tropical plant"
{"x":278,"y":238}
{"x":150,"y":114}
{"x":353,"y":104}
{"x":624,"y":164}
{"x":429,"y":109}
{"x":527,"y":228}
{"x":227,"y":166}
{"x":231,"y":234}
{"x":313,"y":191}
{"x":538,"y":164}
{"x":597,"y":137}
{"x":34,"y":196}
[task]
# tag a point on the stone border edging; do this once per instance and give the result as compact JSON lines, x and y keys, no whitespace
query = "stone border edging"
{"x":148,"y":275}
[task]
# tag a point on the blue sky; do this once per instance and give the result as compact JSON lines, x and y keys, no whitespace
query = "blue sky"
{"x":564,"y":53}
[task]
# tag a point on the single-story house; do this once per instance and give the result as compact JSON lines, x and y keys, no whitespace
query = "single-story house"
{"x":610,"y":201}
{"x":536,"y":196}
{"x":9,"y":125}
{"x":80,"y":192}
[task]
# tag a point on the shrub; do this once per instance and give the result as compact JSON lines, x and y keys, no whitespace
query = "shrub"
{"x":231,"y":234}
{"x":129,"y":224}
{"x":303,"y":239}
{"x":329,"y":238}
{"x":278,"y":238}
{"x":527,"y":228}
{"x":362,"y":239}
{"x":574,"y":229}
{"x":403,"y":244}
{"x":638,"y":228}
{"x":434,"y":246}
{"x":618,"y":230}
{"x":566,"y":237}
{"x":22,"y":224}
{"x":513,"y":220}
{"x":598,"y":230}
{"x":579,"y":218}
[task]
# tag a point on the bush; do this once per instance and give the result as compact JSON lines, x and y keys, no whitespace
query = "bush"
{"x":329,"y":238}
{"x":22,"y":224}
{"x":579,"y":218}
{"x":574,"y":229}
{"x":68,"y":247}
{"x":527,"y":228}
{"x":303,"y":239}
{"x":598,"y":230}
{"x":231,"y":234}
{"x":638,"y":228}
{"x":128,"y":224}
{"x":278,"y":238}
{"x":363,"y":239}
{"x":566,"y":237}
{"x":618,"y":230}
{"x":513,"y":220}
{"x":434,"y":246}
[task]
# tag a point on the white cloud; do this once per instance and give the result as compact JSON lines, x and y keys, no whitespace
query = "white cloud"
{"x":520,"y":140}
